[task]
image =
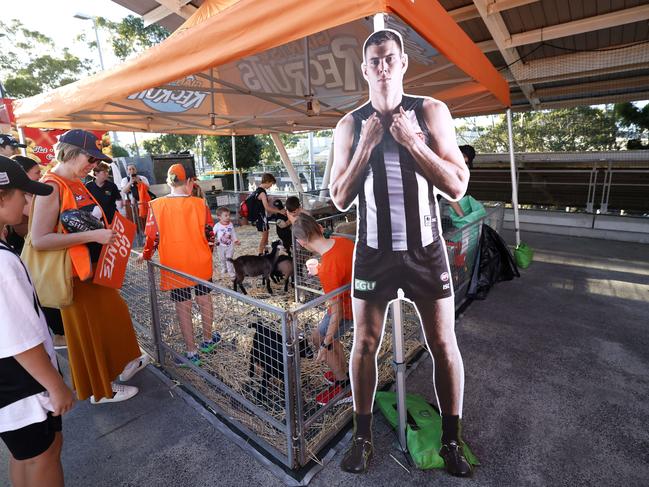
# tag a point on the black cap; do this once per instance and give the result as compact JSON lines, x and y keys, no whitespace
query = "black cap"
{"x":12,"y":176}
{"x":7,"y":139}
{"x":85,"y":140}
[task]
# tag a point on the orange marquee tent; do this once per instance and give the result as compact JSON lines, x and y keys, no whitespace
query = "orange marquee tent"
{"x":250,"y":67}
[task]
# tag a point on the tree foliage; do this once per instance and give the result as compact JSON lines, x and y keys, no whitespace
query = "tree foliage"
{"x":636,"y":122}
{"x":30,"y":64}
{"x":166,"y":143}
{"x":574,"y":129}
{"x":269,"y":153}
{"x":130,"y":36}
{"x":119,"y":151}
{"x":248,"y":149}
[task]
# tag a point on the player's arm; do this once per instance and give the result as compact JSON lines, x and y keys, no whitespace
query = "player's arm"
{"x":442,"y":163}
{"x":348,"y":169}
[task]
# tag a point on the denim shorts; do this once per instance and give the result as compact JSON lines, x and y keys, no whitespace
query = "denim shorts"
{"x":343,"y":327}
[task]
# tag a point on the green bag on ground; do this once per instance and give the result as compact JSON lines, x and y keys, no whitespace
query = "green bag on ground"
{"x":523,"y":255}
{"x":423,"y":431}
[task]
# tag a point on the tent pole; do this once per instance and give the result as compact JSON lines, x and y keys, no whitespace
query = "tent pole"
{"x":21,"y":137}
{"x":512,"y":166}
{"x":287,"y":162}
{"x":379,"y":22}
{"x":235,"y":176}
{"x":327,"y":172}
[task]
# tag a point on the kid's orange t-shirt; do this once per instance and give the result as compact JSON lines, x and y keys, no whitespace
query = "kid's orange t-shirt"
{"x":336,"y":270}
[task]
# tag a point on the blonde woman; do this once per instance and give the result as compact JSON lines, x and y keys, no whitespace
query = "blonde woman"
{"x":98,"y":328}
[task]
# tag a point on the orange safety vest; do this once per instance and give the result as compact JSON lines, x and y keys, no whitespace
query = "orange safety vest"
{"x":71,"y":193}
{"x":183,"y":246}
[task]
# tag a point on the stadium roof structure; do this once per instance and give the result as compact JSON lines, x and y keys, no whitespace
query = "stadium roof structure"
{"x":554,"y":53}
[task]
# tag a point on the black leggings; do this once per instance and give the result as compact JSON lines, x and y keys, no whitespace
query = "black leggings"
{"x":54,"y":320}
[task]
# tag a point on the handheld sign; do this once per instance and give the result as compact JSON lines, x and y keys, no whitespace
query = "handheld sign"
{"x":114,"y":257}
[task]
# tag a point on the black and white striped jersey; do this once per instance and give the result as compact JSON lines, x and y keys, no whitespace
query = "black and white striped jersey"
{"x":397,"y":209}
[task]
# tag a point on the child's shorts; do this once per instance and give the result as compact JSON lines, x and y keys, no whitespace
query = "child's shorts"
{"x":33,"y":439}
{"x":343,"y":326}
{"x":185,"y":293}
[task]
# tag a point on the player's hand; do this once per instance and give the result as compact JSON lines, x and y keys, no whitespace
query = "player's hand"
{"x":62,"y":399}
{"x":372,"y":131}
{"x":104,"y":236}
{"x":402,"y":129}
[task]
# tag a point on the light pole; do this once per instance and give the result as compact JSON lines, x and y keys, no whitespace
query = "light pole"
{"x":82,"y":16}
{"x":94,"y":24}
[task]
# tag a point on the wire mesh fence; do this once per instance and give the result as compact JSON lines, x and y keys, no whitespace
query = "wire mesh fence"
{"x":230,"y":350}
{"x":254,"y":362}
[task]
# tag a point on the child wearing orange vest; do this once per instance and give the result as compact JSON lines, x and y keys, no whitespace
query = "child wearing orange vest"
{"x":179,"y":221}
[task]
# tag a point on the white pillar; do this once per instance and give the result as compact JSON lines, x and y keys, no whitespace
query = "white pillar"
{"x":512,"y":167}
{"x":287,"y":163}
{"x":235,"y":176}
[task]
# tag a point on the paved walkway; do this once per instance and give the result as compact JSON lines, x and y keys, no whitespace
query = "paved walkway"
{"x":557,"y":387}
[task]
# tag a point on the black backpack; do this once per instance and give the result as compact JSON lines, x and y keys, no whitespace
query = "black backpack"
{"x":251,"y":207}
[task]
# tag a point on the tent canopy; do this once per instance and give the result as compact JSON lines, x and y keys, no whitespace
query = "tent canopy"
{"x":240,"y":67}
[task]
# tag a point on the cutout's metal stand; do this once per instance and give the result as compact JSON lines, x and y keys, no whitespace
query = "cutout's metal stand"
{"x":400,"y":372}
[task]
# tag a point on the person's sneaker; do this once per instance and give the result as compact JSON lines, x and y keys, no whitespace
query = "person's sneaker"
{"x":134,"y":366}
{"x":59,"y":342}
{"x":122,"y":392}
{"x":454,"y":460}
{"x":192,"y":357}
{"x":209,"y":346}
{"x":330,"y":377}
{"x":357,"y":458}
{"x":332,"y":393}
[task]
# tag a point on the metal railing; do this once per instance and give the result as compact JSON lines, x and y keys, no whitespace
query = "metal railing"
{"x":595,"y":189}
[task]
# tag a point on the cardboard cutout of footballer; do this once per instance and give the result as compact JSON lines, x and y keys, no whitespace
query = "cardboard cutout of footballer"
{"x":392,"y":156}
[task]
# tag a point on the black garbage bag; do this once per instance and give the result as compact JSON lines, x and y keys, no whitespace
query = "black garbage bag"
{"x":80,"y":221}
{"x":494,"y":263}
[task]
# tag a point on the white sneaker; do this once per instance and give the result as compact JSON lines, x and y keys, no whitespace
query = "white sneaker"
{"x":122,"y":393}
{"x":134,"y":366}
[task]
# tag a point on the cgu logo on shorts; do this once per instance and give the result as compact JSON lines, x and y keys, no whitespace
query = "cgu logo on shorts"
{"x":361,"y":285}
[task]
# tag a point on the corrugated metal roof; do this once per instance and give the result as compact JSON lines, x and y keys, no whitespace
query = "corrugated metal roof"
{"x":598,"y":55}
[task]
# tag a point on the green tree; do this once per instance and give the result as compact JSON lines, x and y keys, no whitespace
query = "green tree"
{"x":130,"y":36}
{"x":573,"y":129}
{"x":636,"y":122}
{"x":219,"y":149}
{"x":119,"y":151}
{"x":31,"y":64}
{"x":167,"y":143}
{"x":269,"y":152}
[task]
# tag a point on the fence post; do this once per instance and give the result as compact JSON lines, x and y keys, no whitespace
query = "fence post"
{"x":155,"y":313}
{"x":292,"y":430}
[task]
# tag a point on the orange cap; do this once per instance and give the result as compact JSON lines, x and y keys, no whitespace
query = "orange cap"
{"x":177,"y":170}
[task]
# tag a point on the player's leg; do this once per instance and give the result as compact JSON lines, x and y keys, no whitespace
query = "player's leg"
{"x":438,"y":322}
{"x":369,"y":319}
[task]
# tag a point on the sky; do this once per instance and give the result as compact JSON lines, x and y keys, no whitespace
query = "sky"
{"x":55,"y":18}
